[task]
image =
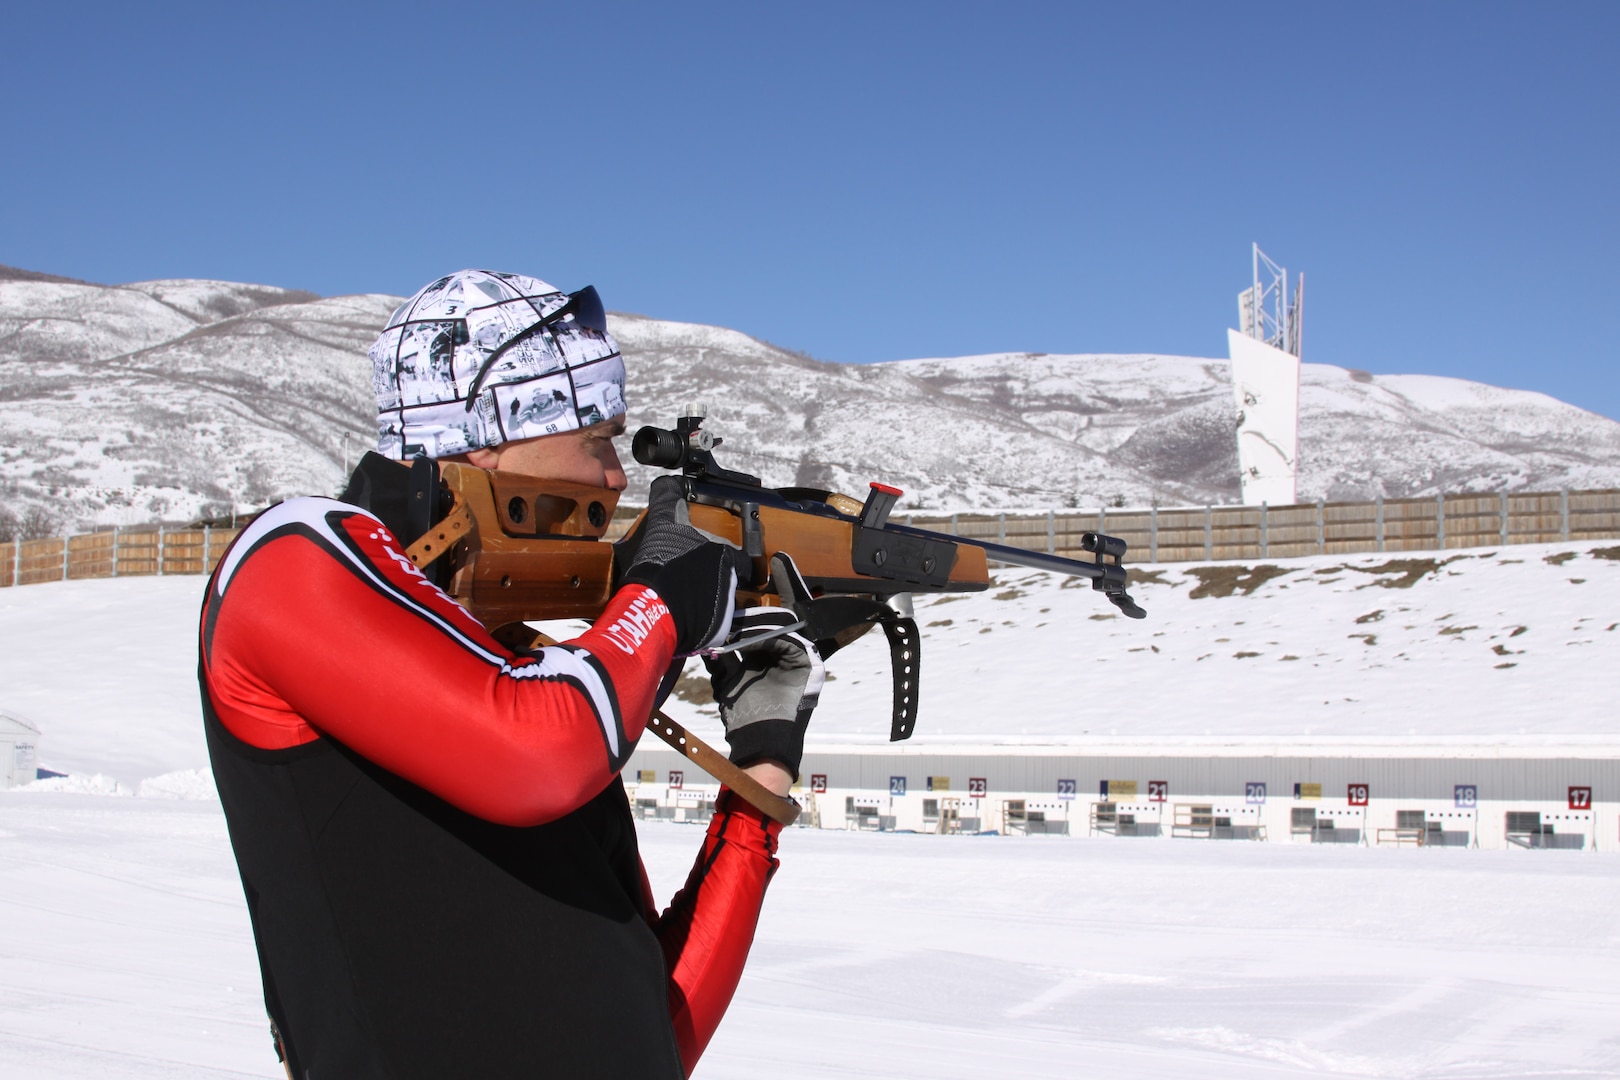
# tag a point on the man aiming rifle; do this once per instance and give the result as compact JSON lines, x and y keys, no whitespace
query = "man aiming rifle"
{"x":439,"y":862}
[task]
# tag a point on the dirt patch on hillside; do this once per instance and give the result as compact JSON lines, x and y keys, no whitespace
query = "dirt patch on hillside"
{"x":1404,"y":573}
{"x":1612,"y":554}
{"x":1222,"y":581}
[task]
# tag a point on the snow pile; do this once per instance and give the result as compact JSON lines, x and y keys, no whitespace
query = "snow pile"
{"x":189,"y":784}
{"x":81,"y":784}
{"x":195,"y":785}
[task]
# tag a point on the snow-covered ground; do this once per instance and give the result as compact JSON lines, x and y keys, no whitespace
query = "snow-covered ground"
{"x":1514,"y":646}
{"x":125,"y":949}
{"x":125,"y":952}
{"x":1509,"y":647}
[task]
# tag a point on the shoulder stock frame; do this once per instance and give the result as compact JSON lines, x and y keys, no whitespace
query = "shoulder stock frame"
{"x":535,"y":550}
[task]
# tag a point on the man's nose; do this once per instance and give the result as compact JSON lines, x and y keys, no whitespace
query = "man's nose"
{"x":613,"y":469}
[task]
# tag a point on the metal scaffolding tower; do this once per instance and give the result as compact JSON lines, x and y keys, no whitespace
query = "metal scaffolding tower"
{"x":1268,"y":312}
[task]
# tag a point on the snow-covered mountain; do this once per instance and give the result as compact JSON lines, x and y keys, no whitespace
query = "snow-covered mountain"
{"x":177,"y":399}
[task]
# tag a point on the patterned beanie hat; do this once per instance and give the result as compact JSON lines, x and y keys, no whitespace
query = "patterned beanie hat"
{"x":478,"y":358}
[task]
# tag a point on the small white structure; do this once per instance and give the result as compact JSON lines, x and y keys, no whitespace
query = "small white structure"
{"x":19,"y":751}
{"x":1265,"y":383}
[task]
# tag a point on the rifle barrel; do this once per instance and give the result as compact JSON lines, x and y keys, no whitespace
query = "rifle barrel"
{"x":1035,"y":560}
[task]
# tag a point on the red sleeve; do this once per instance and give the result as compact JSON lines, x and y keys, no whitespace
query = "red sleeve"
{"x":317,"y":625}
{"x":708,"y":928}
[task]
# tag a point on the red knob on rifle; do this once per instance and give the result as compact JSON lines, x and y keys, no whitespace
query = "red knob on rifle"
{"x":879,"y":501}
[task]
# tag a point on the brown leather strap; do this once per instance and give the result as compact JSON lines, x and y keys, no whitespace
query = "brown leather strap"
{"x":704,"y":756}
{"x":457,"y":524}
{"x":714,"y":763}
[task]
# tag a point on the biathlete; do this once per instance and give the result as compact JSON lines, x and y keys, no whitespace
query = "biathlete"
{"x":439,"y":860}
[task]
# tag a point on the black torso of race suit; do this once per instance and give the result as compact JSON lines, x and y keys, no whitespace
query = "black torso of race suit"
{"x":399,"y":936}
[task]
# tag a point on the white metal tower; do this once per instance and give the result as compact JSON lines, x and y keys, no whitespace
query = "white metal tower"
{"x":1265,"y":382}
{"x":1266,"y":310}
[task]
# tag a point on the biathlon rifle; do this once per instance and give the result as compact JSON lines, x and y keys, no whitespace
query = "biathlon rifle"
{"x":516,"y":549}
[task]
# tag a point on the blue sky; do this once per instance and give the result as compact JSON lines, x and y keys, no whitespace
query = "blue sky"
{"x":862,"y":181}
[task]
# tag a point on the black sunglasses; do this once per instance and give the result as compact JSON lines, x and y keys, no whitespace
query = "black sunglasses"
{"x":586,"y":308}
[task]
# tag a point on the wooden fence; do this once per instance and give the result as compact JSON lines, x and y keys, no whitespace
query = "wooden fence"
{"x":1155,"y":536}
{"x":115,"y":553}
{"x":1324,"y":528}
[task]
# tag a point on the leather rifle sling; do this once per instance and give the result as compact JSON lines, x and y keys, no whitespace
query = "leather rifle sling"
{"x":458,"y":524}
{"x":711,"y":761}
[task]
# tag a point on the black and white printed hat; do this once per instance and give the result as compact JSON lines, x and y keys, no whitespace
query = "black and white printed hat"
{"x":479,"y":358}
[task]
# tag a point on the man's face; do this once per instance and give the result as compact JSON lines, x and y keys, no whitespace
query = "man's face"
{"x":586,"y":456}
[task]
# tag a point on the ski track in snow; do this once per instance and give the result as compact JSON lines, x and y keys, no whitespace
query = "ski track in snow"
{"x":125,"y":949}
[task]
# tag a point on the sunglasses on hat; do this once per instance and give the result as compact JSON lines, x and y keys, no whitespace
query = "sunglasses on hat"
{"x":586,"y":308}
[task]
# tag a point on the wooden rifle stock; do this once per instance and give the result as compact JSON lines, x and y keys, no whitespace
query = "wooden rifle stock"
{"x":524,"y":549}
{"x":520,"y":549}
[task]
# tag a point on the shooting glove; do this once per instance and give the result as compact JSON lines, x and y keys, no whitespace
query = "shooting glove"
{"x":766,"y":692}
{"x":694,"y":573}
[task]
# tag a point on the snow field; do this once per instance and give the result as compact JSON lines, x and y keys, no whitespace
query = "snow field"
{"x":1326,"y":650}
{"x":125,"y":949}
{"x":125,"y":952}
{"x":919,"y":956}
{"x":107,"y":670}
{"x":125,"y":946}
{"x":1509,"y":646}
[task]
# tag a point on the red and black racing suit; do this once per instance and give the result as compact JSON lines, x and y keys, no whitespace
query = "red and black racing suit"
{"x":439,"y":861}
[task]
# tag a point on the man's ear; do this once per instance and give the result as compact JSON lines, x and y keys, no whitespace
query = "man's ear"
{"x":482,"y":458}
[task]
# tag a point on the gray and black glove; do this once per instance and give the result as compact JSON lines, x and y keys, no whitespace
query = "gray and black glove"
{"x":694,"y":573}
{"x":766,"y":692}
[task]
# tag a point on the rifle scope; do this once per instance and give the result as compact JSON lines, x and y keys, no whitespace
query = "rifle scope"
{"x":658,"y":446}
{"x":1099,"y":544}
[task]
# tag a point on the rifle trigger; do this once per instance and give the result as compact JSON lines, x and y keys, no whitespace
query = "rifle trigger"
{"x":754,"y":639}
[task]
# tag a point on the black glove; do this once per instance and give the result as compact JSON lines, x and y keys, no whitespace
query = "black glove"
{"x":766,"y":692}
{"x":695,"y":574}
